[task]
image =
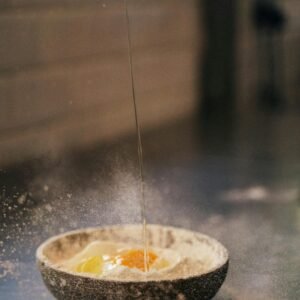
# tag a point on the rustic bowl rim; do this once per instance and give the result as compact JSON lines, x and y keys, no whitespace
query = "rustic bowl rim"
{"x":42,"y":259}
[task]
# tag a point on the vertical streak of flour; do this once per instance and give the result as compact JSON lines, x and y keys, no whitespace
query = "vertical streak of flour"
{"x":140,"y":150}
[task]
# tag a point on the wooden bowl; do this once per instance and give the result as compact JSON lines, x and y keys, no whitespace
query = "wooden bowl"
{"x":202,"y":284}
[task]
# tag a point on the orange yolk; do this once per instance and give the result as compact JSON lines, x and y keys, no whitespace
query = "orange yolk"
{"x":135,"y":259}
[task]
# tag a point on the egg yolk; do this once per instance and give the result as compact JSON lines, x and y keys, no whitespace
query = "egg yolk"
{"x":92,"y":265}
{"x":135,"y":259}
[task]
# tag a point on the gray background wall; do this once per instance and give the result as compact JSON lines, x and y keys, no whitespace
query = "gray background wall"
{"x":64,"y":76}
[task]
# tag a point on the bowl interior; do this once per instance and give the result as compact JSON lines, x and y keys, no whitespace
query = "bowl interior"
{"x":189,"y":244}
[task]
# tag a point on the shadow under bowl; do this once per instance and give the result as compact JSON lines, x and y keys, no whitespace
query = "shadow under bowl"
{"x":66,"y":285}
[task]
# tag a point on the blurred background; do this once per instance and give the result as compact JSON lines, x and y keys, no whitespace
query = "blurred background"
{"x":217,"y":90}
{"x":64,"y":68}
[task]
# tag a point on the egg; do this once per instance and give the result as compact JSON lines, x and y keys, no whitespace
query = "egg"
{"x":109,"y":259}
